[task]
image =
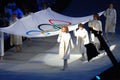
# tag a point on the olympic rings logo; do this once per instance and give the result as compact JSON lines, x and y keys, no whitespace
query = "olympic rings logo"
{"x":47,"y":28}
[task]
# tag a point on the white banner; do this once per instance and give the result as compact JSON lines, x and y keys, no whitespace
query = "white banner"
{"x":44,"y":23}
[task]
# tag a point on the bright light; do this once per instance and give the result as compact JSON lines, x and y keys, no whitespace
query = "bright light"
{"x":112,"y":47}
{"x":54,"y":60}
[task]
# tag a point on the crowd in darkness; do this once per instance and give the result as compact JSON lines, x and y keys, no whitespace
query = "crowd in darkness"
{"x":21,"y":8}
{"x":27,"y":6}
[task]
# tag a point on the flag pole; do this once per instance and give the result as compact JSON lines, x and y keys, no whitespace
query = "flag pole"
{"x":1,"y":45}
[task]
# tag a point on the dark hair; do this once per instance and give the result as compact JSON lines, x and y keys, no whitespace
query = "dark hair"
{"x":110,"y":3}
{"x":97,"y":16}
{"x":14,"y":14}
{"x":113,"y":3}
{"x":81,"y":25}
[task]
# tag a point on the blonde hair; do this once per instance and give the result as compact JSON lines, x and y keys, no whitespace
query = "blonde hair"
{"x":66,"y":28}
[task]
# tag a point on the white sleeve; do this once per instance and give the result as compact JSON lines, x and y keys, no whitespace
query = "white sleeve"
{"x":71,"y":42}
{"x":100,"y":26}
{"x":115,"y":18}
{"x":89,"y":23}
{"x":105,"y":13}
{"x":75,"y":33}
{"x":59,"y":37}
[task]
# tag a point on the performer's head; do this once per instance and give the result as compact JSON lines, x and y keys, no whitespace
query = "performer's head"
{"x":110,"y":5}
{"x":96,"y":16}
{"x":81,"y":26}
{"x":14,"y":15}
{"x":65,"y":29}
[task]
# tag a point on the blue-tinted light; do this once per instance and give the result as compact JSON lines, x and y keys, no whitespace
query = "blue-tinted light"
{"x":98,"y":77}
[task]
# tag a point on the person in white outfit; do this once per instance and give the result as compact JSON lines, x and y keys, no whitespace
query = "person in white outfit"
{"x":82,"y":39}
{"x":95,"y":24}
{"x":15,"y":40}
{"x":66,"y":44}
{"x":110,"y":24}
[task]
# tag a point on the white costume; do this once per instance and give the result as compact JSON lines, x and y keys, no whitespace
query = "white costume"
{"x":66,"y":44}
{"x":110,"y":15}
{"x":96,"y":25}
{"x":15,"y":39}
{"x":81,"y":41}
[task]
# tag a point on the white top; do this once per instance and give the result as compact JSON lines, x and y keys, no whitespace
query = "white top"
{"x":110,"y":14}
{"x":96,"y":25}
{"x":66,"y":44}
{"x":83,"y":34}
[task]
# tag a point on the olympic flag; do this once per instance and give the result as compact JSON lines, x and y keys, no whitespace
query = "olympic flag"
{"x":44,"y":23}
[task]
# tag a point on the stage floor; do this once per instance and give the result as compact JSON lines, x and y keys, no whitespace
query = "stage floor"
{"x":40,"y":61}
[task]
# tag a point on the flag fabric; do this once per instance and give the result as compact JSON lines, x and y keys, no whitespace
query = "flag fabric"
{"x":44,"y":23}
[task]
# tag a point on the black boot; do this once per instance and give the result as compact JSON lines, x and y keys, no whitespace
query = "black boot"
{"x":65,"y":64}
